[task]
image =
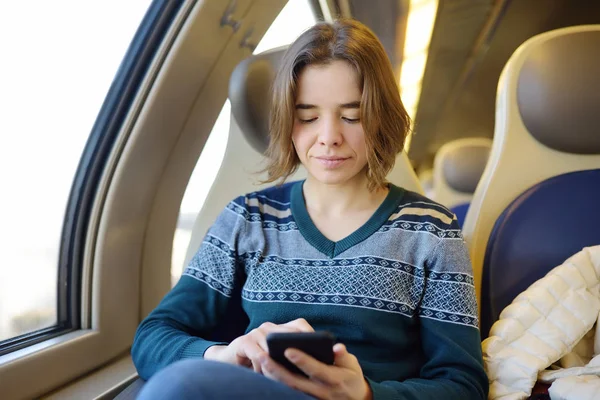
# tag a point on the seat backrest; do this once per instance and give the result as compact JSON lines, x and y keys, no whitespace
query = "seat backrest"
{"x":457,"y":169}
{"x":426,"y":180}
{"x":250,"y":94}
{"x":537,"y":201}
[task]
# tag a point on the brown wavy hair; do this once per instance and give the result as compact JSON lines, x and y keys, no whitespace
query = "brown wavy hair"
{"x":383,"y":116}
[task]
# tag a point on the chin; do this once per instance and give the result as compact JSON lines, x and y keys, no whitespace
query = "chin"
{"x":332,"y":177}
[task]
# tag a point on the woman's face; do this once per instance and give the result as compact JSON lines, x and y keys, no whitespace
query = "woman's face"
{"x":328,"y":134}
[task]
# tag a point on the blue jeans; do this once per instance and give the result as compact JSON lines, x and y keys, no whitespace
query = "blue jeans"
{"x":198,"y":379}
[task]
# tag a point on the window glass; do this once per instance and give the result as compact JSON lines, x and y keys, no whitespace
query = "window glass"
{"x":294,"y":18}
{"x":59,"y":59}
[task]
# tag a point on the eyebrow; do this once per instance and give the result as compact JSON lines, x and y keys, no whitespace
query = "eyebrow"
{"x":351,"y":105}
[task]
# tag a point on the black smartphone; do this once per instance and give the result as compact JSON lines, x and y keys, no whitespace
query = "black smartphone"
{"x":318,"y":345}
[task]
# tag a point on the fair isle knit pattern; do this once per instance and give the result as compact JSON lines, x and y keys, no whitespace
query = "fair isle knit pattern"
{"x":352,"y":279}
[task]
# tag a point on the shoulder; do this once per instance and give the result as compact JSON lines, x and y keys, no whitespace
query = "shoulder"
{"x":272,"y":200}
{"x":266,"y":207}
{"x":448,"y":252}
{"x":424,"y":213}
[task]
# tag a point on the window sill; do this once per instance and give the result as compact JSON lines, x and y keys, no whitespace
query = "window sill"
{"x":46,"y":344}
{"x":103,"y":383}
{"x":61,"y":361}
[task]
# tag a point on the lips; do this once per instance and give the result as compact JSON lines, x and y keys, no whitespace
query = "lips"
{"x":334,"y":158}
{"x":331,"y":162}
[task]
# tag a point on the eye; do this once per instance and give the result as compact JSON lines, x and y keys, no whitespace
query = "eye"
{"x":307,"y":121}
{"x":351,"y":120}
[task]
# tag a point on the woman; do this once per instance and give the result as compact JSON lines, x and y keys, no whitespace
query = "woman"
{"x":384,"y":269}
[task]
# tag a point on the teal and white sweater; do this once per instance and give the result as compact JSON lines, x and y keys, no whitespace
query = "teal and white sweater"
{"x":398,"y":292}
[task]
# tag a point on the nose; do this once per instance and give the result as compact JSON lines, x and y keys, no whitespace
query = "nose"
{"x":330,"y":133}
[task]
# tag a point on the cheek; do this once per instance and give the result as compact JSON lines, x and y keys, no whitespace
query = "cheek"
{"x":357,"y":141}
{"x":296,"y":131}
{"x":301,"y":139}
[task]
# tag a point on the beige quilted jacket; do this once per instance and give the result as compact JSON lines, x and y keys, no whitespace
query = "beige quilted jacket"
{"x":548,"y":334}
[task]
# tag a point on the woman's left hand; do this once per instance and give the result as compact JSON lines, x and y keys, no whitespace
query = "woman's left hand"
{"x":344,"y":380}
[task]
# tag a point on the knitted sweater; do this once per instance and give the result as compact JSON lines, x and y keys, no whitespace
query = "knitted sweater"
{"x":398,"y":292}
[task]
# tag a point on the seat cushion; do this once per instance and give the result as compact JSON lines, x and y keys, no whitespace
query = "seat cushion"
{"x":538,"y":231}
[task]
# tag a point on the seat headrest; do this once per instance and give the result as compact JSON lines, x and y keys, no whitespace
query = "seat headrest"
{"x":558,"y":92}
{"x":463,"y":164}
{"x":250,"y":93}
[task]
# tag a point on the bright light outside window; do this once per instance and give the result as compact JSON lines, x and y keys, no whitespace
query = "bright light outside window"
{"x":59,"y":59}
{"x":293,"y":19}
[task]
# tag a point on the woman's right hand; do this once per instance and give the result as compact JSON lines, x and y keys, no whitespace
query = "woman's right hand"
{"x":247,"y":350}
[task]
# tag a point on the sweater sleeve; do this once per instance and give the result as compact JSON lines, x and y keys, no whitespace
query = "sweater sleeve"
{"x":449,"y":331}
{"x":187,"y":316}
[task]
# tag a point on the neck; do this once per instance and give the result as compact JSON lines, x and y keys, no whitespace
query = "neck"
{"x":338,"y":200}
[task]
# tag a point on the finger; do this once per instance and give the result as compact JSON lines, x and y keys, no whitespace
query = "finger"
{"x":260,"y":334}
{"x":301,"y":324}
{"x":257,"y":367}
{"x":253,"y":352}
{"x":273,"y":370}
{"x":255,"y":356}
{"x":315,"y":369}
{"x":343,"y":359}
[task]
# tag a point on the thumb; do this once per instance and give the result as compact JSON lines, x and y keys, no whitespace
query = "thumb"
{"x":342,"y":358}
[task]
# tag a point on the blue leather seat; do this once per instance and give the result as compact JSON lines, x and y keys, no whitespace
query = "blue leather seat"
{"x":538,"y":201}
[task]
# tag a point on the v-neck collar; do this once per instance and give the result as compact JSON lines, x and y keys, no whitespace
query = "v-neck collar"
{"x":328,"y":247}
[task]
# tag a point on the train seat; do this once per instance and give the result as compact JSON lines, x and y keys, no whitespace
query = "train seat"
{"x":457,"y":169}
{"x":537,"y":201}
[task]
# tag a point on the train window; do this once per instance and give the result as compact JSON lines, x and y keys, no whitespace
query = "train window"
{"x":295,"y":17}
{"x":56,"y":72}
